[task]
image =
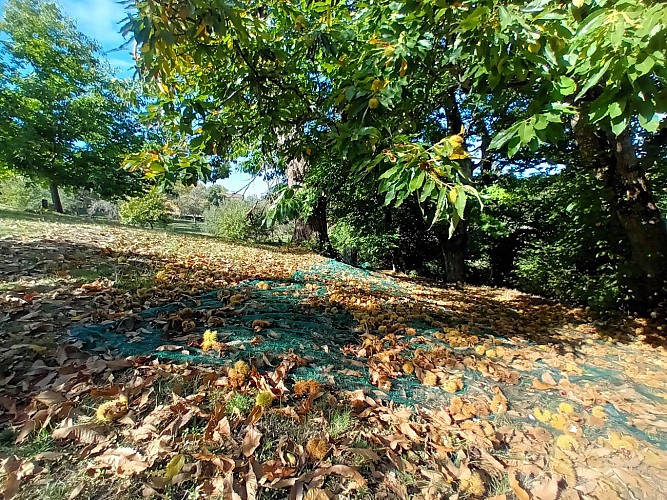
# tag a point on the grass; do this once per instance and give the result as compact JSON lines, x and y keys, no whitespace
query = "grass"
{"x":499,"y":486}
{"x":240,"y":404}
{"x":340,"y":421}
{"x":35,"y":444}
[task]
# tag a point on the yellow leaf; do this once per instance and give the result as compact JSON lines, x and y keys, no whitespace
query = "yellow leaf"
{"x":598,"y":411}
{"x":566,"y":442}
{"x":541,"y":386}
{"x":452,"y":195}
{"x":565,"y":408}
{"x":578,"y":3}
{"x":174,"y":466}
{"x":542,"y":415}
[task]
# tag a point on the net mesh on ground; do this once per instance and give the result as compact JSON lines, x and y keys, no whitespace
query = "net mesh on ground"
{"x":260,"y":318}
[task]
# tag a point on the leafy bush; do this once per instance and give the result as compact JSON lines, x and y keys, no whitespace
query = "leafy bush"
{"x":230,"y":220}
{"x":16,"y":192}
{"x":103,"y":208}
{"x":150,"y":209}
{"x":368,"y":245}
{"x":550,"y":235}
{"x":192,"y":201}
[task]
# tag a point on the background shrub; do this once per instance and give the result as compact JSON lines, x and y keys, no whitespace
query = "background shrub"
{"x":19,"y":194}
{"x":229,"y":220}
{"x":150,"y":209}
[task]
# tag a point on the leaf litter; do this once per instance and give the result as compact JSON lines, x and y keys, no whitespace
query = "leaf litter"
{"x":400,"y":389}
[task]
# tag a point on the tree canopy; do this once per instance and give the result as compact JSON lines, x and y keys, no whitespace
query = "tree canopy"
{"x":65,"y":121}
{"x":420,"y":101}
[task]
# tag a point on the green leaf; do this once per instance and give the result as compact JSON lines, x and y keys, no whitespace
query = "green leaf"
{"x":618,"y":127}
{"x":614,"y":109}
{"x":429,"y":185}
{"x":526,"y":132}
{"x":645,"y":66}
{"x":566,"y":85}
{"x":650,"y":123}
{"x":591,"y":82}
{"x":513,"y":146}
{"x":460,"y":204}
{"x":417,"y":181}
{"x":454,"y":221}
{"x":391,"y":172}
{"x":473,"y":19}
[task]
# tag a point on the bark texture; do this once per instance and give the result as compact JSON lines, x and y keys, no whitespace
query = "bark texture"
{"x":316,"y":225}
{"x":615,"y":162}
{"x":454,"y":249}
{"x":55,"y":197}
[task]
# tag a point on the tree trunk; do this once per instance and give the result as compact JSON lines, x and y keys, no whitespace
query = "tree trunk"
{"x":55,"y":197}
{"x":454,"y":249}
{"x":454,"y":252}
{"x":318,"y":222}
{"x":615,"y":161}
{"x":296,"y":172}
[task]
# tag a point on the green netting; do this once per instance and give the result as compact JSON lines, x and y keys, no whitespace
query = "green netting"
{"x":297,"y":326}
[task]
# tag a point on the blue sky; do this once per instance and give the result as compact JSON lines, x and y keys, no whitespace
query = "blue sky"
{"x":101,"y":20}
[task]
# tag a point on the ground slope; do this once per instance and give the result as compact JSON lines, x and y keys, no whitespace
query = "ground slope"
{"x":146,"y":363}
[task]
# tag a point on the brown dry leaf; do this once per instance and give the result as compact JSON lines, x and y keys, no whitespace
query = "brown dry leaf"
{"x":251,"y":485}
{"x":516,"y":487}
{"x":85,"y":433}
{"x":12,"y":482}
{"x":123,"y":461}
{"x":76,"y":491}
{"x":548,"y":379}
{"x":222,"y":462}
{"x":341,"y":470}
{"x":547,"y":489}
{"x":49,"y":455}
{"x":562,"y":465}
{"x":366,"y":453}
{"x":541,"y":386}
{"x":50,"y":398}
{"x":251,"y":440}
{"x":316,"y":494}
{"x":11,"y":486}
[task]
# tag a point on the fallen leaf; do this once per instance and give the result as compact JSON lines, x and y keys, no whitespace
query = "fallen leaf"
{"x":516,"y":487}
{"x":316,"y":494}
{"x":87,"y":434}
{"x":251,"y":440}
{"x":541,"y":386}
{"x":174,"y":466}
{"x":547,"y":489}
